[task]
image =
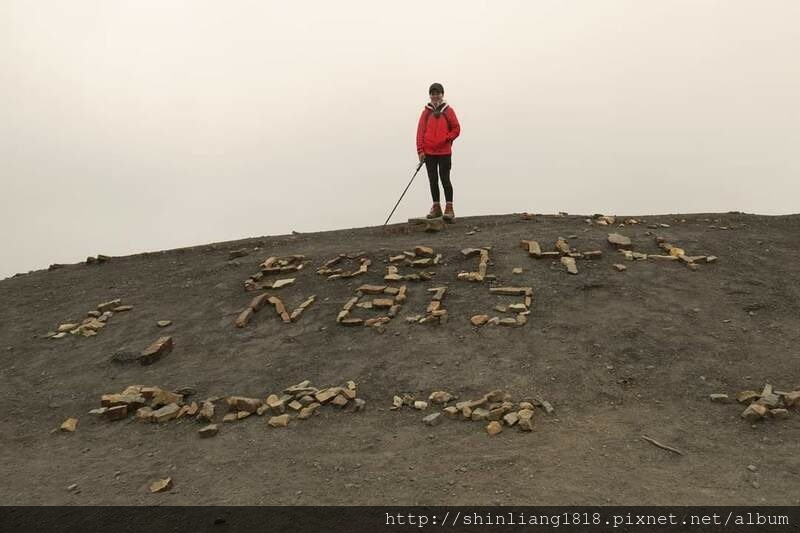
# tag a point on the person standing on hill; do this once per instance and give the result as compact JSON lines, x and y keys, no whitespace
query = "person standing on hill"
{"x":437,"y":129}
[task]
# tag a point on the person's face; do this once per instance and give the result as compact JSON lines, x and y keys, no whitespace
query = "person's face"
{"x":436,"y":97}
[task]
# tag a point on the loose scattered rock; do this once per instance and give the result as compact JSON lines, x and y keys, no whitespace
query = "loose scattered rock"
{"x":309,"y":410}
{"x":206,"y":412}
{"x":525,"y":418}
{"x":754,"y":412}
{"x":510,"y":419}
{"x":791,"y":399}
{"x":162,"y":485}
{"x":69,"y":425}
{"x":534,"y":250}
{"x":281,"y":421}
{"x":208,"y":431}
{"x":569,"y":264}
{"x":117,"y":412}
{"x":339,"y":401}
{"x":166,"y":413}
{"x":440,"y":397}
{"x":240,"y":403}
{"x":433,"y":419}
{"x":747,"y":396}
{"x":108,"y":306}
{"x":154,"y":352}
{"x":494,"y":428}
{"x":619,"y":241}
{"x":244,"y":317}
{"x":479,"y":320}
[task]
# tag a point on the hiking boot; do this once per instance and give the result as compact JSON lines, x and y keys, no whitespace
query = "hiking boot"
{"x":436,"y":211}
{"x":449,"y":215}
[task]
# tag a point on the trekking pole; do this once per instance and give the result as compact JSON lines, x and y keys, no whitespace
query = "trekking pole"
{"x":404,"y":192}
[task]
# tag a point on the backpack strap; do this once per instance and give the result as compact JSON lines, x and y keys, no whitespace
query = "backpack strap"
{"x":444,"y":113}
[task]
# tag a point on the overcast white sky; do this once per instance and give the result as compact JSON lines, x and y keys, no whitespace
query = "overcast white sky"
{"x":148,"y":125}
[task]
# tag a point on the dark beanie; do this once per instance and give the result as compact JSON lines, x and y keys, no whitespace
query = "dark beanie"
{"x":436,"y":88}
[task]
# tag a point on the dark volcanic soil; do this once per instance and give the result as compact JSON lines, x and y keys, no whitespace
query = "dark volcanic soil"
{"x":619,"y":355}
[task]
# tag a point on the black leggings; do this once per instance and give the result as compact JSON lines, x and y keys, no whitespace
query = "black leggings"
{"x":438,"y":167}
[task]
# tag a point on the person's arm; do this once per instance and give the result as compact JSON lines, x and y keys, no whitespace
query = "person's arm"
{"x":420,"y":134}
{"x":455,"y":127}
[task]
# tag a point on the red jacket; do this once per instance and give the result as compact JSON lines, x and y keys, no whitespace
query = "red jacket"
{"x":435,"y":134}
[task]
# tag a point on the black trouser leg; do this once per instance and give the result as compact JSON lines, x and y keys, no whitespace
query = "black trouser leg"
{"x":431,"y":162}
{"x":438,"y":167}
{"x":445,"y":162}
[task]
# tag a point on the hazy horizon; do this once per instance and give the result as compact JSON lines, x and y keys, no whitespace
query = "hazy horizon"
{"x":137,"y":126}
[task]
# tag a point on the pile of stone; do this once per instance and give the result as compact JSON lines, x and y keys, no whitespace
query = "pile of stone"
{"x":275,"y":265}
{"x":604,"y":220}
{"x":429,"y":225}
{"x":96,"y":320}
{"x":483,"y":264}
{"x":496,"y":408}
{"x":522,"y":309}
{"x":97,"y":260}
{"x":673,"y":253}
{"x":610,"y":220}
{"x":563,"y":251}
{"x":389,"y":298}
{"x":623,"y":244}
{"x":435,"y":313}
{"x":768,"y":404}
{"x":304,"y":401}
{"x":678,"y":254}
{"x":279,"y":265}
{"x":263,"y":299}
{"x":328,"y":270}
{"x":421,"y":257}
{"x":153,"y":404}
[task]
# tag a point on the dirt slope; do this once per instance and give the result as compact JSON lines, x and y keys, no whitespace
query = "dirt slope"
{"x":618,"y":355}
